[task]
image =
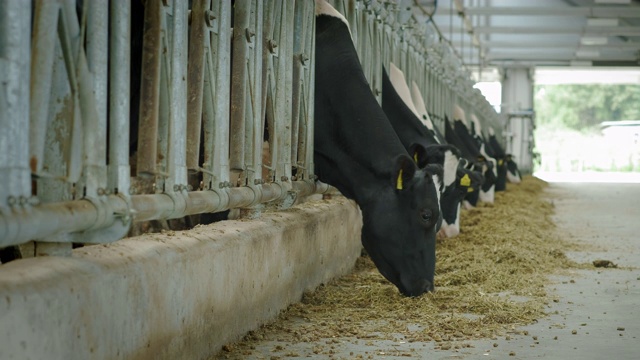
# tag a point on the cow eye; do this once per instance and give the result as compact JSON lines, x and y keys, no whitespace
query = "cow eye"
{"x":426,"y":215}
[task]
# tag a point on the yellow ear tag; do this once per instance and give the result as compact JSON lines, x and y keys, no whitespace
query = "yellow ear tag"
{"x":399,"y":181}
{"x":500,"y":162}
{"x":469,"y":189}
{"x":465,"y":181}
{"x":415,"y":157}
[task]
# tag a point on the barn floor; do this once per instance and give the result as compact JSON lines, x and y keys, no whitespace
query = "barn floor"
{"x":597,"y":313}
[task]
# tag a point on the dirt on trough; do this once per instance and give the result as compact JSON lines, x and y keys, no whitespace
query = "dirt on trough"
{"x":490,"y":280}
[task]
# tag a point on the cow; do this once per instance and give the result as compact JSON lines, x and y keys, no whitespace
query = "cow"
{"x":458,"y":135}
{"x":357,"y":151}
{"x":398,"y":105}
{"x":509,"y":167}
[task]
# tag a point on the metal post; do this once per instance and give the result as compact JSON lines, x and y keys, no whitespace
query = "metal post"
{"x":93,"y":87}
{"x":217,"y":89}
{"x":15,"y":34}
{"x":45,"y":19}
{"x":150,"y":90}
{"x":201,"y":16}
{"x":119,"y":104}
{"x":176,"y":160}
{"x":243,"y":34}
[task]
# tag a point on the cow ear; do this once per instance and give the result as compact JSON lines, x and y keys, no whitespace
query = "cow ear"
{"x":419,"y":155}
{"x":403,"y":173}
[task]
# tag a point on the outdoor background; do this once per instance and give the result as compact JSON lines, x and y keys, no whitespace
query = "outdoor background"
{"x":591,"y":122}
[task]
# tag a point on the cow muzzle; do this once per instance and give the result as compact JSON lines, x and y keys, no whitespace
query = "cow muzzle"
{"x":416,"y":287}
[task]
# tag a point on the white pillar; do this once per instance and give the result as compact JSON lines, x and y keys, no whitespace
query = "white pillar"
{"x":517,"y":109}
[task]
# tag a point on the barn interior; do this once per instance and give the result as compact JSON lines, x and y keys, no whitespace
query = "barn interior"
{"x":159,"y":196}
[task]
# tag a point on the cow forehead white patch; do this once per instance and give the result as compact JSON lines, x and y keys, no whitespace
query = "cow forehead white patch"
{"x":324,"y":8}
{"x":450,"y":167}
{"x":438,"y":185}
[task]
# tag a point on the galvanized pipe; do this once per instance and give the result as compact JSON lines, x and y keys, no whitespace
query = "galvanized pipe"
{"x":198,"y":37}
{"x":45,"y":19}
{"x":176,"y":161}
{"x":50,"y":220}
{"x":15,"y":35}
{"x":254,"y":128}
{"x":150,"y":89}
{"x":217,"y":89}
{"x":302,"y":84}
{"x":283,"y":92}
{"x":92,"y":91}
{"x":243,"y":35}
{"x":119,"y":105}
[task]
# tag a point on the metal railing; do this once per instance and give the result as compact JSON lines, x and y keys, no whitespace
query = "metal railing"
{"x":90,"y":144}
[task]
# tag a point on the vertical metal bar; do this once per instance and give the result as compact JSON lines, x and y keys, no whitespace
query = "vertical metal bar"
{"x":45,"y":19}
{"x":254,"y":137}
{"x":15,"y":33}
{"x":217,"y":90}
{"x":119,"y":89}
{"x":300,"y":65}
{"x":93,"y":80}
{"x":176,"y":160}
{"x":198,"y":37}
{"x":149,"y":89}
{"x":282,"y":91}
{"x":310,"y":94}
{"x":242,"y":35}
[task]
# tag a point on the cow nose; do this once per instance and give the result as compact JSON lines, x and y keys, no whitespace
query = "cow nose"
{"x":418,"y":287}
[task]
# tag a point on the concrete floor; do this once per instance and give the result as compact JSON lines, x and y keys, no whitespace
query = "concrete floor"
{"x":597,"y":313}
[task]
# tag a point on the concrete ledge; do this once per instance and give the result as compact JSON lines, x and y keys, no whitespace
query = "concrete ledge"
{"x":178,"y":295}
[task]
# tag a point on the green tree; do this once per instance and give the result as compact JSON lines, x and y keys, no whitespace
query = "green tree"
{"x":582,"y":107}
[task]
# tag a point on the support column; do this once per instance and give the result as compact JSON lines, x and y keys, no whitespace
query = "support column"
{"x":517,"y":110}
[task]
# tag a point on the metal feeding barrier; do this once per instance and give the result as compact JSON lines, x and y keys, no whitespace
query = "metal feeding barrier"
{"x":113,"y":113}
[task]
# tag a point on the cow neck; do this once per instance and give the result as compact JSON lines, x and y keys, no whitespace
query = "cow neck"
{"x":409,"y":128}
{"x":366,"y":146}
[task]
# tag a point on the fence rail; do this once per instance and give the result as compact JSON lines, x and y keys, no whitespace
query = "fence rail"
{"x":113,"y":114}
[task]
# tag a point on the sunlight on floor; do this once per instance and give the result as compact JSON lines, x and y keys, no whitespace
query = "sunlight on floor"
{"x":589,"y":177}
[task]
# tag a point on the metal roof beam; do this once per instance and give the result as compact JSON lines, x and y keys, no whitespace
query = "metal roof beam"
{"x":550,"y":44}
{"x":608,"y":31}
{"x":505,"y":55}
{"x":589,"y":11}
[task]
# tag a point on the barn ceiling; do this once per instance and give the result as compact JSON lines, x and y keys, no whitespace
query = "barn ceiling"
{"x":538,"y":33}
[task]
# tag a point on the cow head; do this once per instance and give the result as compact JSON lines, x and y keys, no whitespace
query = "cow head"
{"x":399,"y":226}
{"x":501,"y":167}
{"x":466,"y":182}
{"x":513,"y":174}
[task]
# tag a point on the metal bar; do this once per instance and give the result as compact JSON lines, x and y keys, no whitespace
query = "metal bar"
{"x":15,"y":33}
{"x":176,"y":161}
{"x":217,"y":92}
{"x":590,"y":11}
{"x":302,"y":77}
{"x":306,"y":147}
{"x":45,"y":19}
{"x":604,"y":30}
{"x":150,"y":90}
{"x":254,"y":106}
{"x":282,"y":91}
{"x":243,"y":34}
{"x":119,"y":100}
{"x":51,"y":220}
{"x":201,"y":15}
{"x":92,"y":78}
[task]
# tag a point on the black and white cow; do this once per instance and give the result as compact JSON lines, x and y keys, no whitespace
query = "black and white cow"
{"x":507,"y":167}
{"x":458,"y":135}
{"x":357,"y":151}
{"x":404,"y":117}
